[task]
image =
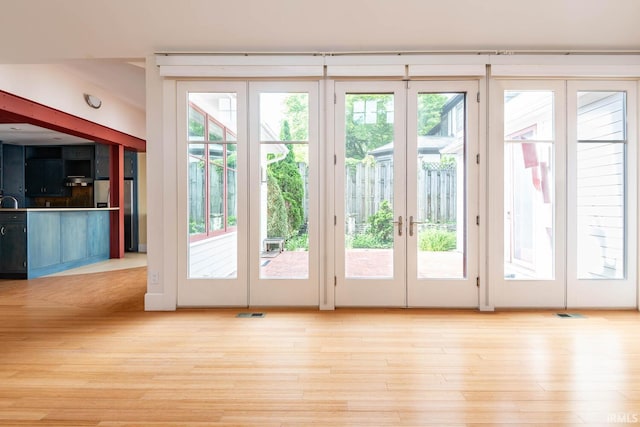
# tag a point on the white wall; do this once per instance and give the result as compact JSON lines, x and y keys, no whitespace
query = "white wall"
{"x":161,"y":195}
{"x":52,"y":85}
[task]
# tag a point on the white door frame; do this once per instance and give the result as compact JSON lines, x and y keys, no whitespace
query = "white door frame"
{"x":601,"y":293}
{"x":206,"y":292}
{"x":566,"y":290}
{"x":281,"y":291}
{"x":400,"y":291}
{"x":370,"y":292}
{"x":439,"y":292}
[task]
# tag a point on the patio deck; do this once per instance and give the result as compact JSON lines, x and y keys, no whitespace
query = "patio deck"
{"x":366,"y":263}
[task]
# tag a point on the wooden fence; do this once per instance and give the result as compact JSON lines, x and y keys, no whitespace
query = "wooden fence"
{"x":367,"y":185}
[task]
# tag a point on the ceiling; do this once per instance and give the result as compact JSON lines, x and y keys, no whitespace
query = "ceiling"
{"x":27,"y":134}
{"x":50,"y":31}
{"x":107,"y":42}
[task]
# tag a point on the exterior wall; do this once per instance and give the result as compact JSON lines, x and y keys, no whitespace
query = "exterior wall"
{"x":213,"y":255}
{"x":55,"y":87}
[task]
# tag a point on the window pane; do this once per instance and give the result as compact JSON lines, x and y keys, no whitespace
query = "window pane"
{"x":213,"y":253}
{"x":216,"y":133}
{"x":369,"y":151}
{"x":197,"y":185}
{"x":601,"y":116}
{"x":284,"y":116}
{"x":217,"y":105}
{"x":528,"y":115}
{"x":529,"y":211}
{"x":441,"y":180}
{"x":232,"y":185}
{"x":216,"y":187}
{"x":196,"y":125}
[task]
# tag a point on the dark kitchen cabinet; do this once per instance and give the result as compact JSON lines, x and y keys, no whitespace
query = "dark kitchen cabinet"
{"x":13,"y":245}
{"x":130,"y":164}
{"x":13,"y":172}
{"x":102,"y":161}
{"x":77,"y":152}
{"x":45,"y":177}
{"x":78,"y":160}
{"x":1,"y":165}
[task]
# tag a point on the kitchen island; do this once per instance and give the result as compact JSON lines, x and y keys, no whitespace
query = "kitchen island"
{"x":38,"y":241}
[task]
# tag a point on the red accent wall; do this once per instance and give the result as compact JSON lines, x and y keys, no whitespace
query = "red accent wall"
{"x":14,"y":109}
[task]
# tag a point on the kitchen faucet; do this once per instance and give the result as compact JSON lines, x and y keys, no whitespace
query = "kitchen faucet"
{"x":15,"y":201}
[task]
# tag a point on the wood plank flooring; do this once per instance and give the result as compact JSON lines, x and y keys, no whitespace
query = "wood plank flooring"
{"x":80,"y":351}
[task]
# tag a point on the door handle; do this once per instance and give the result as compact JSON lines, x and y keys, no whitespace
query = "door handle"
{"x":399,"y":222}
{"x":411,"y":222}
{"x":3,"y":230}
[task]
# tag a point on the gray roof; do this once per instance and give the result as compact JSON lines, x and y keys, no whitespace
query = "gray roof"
{"x":426,"y":145}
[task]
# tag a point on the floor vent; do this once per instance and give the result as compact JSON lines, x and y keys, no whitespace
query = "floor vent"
{"x":569,"y":315}
{"x":245,"y":315}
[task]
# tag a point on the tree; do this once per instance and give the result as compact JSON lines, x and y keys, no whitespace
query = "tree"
{"x":368,"y":122}
{"x":429,"y":111}
{"x":290,"y":183}
{"x":277,"y":224}
{"x":297,"y":117}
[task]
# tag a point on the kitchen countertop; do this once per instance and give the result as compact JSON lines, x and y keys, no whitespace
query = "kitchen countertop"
{"x":57,"y":209}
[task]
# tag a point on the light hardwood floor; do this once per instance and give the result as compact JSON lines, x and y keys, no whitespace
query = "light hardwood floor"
{"x":80,"y":351}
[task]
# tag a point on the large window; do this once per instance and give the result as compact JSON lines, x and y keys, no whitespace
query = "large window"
{"x":212,"y":174}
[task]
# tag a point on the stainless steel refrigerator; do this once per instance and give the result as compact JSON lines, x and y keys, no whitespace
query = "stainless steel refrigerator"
{"x":101,"y":193}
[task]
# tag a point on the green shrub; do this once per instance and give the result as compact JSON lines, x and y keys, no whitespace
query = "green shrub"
{"x":299,"y":242}
{"x":368,"y":241}
{"x":277,"y":224}
{"x":287,"y":175}
{"x":437,"y":240}
{"x":381,"y":225}
{"x":196,"y":227}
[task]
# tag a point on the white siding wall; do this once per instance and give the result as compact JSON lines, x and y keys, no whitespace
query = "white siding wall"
{"x":215,"y":257}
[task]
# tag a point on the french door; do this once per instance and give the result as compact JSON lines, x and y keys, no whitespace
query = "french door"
{"x":406,"y":194}
{"x":563,"y":208}
{"x":247,"y":196}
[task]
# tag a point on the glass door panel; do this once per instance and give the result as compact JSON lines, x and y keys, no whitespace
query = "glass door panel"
{"x":439,"y":223}
{"x":368,"y":176}
{"x":284,"y":160}
{"x":528,"y":184}
{"x":601,"y":161}
{"x":529,"y":211}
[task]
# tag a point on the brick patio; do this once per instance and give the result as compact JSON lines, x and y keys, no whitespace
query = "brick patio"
{"x":365,"y":263}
